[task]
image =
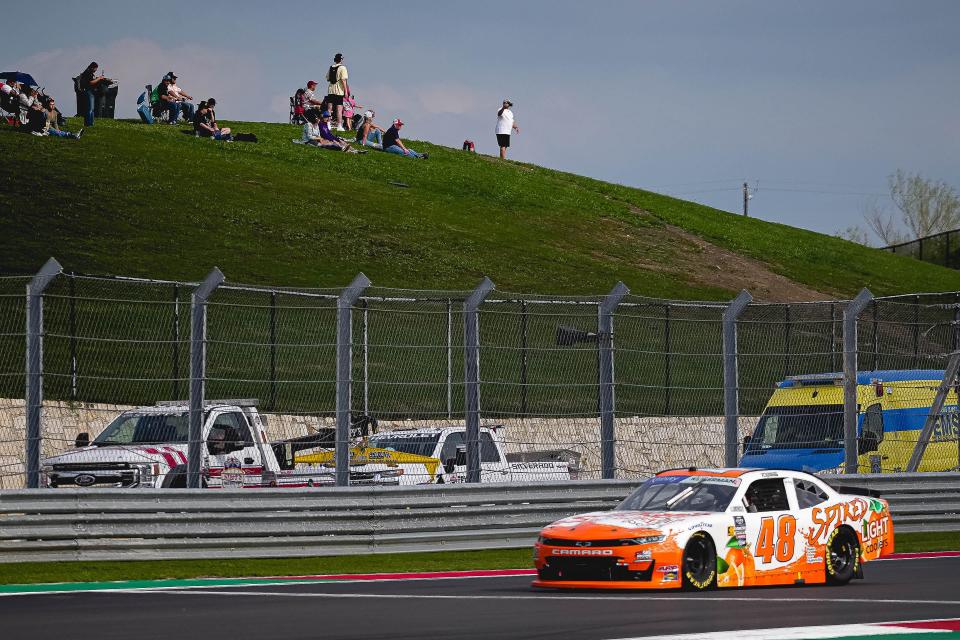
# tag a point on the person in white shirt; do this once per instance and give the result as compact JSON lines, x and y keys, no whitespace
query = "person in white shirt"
{"x":505,"y":125}
{"x":182,"y":97}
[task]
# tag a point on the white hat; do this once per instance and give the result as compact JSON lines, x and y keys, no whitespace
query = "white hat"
{"x":368,"y":114}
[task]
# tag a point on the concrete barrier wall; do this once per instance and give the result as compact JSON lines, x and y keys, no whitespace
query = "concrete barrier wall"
{"x":644,"y":444}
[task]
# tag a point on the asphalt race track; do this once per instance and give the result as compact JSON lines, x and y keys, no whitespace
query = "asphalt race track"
{"x":489,"y":608}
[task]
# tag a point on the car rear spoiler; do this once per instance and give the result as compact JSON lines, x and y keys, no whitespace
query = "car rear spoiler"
{"x":856,"y":491}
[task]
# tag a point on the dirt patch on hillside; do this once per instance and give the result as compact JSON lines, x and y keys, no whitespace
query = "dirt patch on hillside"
{"x":688,"y":256}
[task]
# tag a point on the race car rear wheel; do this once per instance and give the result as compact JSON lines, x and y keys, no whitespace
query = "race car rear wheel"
{"x":842,"y":556}
{"x":699,"y":563}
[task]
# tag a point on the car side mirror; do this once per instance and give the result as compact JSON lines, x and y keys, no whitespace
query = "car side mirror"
{"x":746,"y":443}
{"x":83,"y":440}
{"x":449,"y":465}
{"x":461,"y":459}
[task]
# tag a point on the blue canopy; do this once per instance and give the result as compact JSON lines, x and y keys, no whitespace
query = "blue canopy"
{"x":19,"y":76}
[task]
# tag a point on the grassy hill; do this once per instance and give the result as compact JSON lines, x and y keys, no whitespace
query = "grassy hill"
{"x":150,"y":201}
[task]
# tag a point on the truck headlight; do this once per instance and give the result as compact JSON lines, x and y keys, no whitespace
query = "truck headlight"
{"x":391,"y":473}
{"x":145,"y":473}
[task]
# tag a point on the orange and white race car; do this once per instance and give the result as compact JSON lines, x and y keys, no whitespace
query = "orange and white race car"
{"x":701,"y":528}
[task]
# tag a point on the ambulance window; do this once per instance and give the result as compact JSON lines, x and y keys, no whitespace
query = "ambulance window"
{"x":873,"y":424}
{"x":808,"y":494}
{"x":767,"y":494}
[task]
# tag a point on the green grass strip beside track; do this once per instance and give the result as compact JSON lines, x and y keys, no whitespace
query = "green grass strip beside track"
{"x":139,"y":570}
{"x":153,"y":570}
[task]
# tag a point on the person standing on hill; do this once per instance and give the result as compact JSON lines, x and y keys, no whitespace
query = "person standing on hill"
{"x":89,"y":84}
{"x":505,"y":125}
{"x":337,"y":88}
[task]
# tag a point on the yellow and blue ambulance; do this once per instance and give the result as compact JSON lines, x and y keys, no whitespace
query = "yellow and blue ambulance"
{"x":802,"y":425}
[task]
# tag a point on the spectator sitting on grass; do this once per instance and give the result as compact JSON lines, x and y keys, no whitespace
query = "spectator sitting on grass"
{"x":369,"y":134}
{"x":51,"y":122}
{"x":205,"y":122}
{"x":180,"y":96}
{"x":168,"y":102}
{"x":311,"y":133}
{"x":328,"y":136}
{"x":393,"y":144}
{"x":29,"y":106}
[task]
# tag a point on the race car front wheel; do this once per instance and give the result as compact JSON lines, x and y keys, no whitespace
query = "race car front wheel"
{"x":843,"y":556}
{"x":699,"y":563}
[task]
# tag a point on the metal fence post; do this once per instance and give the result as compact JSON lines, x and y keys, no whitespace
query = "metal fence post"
{"x":731,"y":398}
{"x":72,"y":329}
{"x":667,"y":372}
{"x":936,"y":411}
{"x":198,"y":371}
{"x":366,"y":358}
{"x":348,"y":297}
{"x":273,"y":351}
{"x":523,"y":360}
{"x":608,"y":454}
{"x":175,"y":329}
{"x":471,"y":375}
{"x":850,"y":314}
{"x":34,"y":366}
{"x":449,"y":358}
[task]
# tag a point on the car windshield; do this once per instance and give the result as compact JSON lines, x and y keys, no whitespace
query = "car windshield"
{"x":682,"y":493}
{"x":800,"y":427}
{"x":134,"y":428}
{"x":421,"y":444}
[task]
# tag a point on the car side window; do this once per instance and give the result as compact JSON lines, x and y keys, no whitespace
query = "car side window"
{"x":808,"y":493}
{"x":766,"y":494}
{"x":228,"y":427}
{"x":449,"y":451}
{"x":488,"y":449}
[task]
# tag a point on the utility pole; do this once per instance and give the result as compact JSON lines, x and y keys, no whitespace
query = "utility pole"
{"x":746,"y":200}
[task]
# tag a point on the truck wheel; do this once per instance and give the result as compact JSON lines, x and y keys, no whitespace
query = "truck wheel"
{"x":699,"y":563}
{"x":177,"y":479}
{"x":842,"y":556}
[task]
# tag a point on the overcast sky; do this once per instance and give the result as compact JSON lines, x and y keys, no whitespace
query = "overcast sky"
{"x":814,"y":102}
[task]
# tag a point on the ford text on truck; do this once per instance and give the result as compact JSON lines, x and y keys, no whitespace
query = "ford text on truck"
{"x":802,"y":425}
{"x":147,"y":448}
{"x":438,"y":455}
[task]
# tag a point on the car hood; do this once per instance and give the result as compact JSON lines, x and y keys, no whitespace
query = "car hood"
{"x":615,"y":524}
{"x":169,"y":455}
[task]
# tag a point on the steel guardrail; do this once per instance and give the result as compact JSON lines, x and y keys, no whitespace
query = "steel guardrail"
{"x":120,"y":524}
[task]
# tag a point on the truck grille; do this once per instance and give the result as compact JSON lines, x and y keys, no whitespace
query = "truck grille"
{"x":91,"y":466}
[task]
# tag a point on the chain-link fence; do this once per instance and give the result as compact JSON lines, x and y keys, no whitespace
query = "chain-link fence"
{"x":941,"y":248}
{"x":125,"y":382}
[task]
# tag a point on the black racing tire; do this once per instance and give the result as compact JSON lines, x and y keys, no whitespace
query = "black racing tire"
{"x":842,"y":556}
{"x":699,"y":569}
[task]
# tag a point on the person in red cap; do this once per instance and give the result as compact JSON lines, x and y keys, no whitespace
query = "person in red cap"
{"x":309,"y":98}
{"x":393,"y":144}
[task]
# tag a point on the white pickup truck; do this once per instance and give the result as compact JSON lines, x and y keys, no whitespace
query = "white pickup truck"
{"x":147,"y":448}
{"x":438,"y":455}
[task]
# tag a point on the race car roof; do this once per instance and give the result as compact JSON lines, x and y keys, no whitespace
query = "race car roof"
{"x":717,"y":473}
